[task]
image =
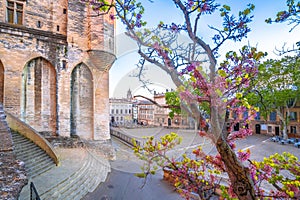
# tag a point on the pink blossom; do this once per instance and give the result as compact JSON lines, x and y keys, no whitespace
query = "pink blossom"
{"x":243,"y":156}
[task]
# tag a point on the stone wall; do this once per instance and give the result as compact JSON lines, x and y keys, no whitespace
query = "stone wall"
{"x":12,"y":171}
{"x":60,"y":35}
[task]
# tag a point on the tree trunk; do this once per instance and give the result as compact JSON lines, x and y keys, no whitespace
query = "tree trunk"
{"x":284,"y":123}
{"x":238,"y":174}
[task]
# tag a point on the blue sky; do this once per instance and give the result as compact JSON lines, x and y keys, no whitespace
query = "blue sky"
{"x":265,"y":36}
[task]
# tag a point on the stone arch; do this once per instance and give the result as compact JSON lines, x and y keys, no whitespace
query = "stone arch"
{"x":82,"y":102}
{"x":1,"y":82}
{"x":38,"y":99}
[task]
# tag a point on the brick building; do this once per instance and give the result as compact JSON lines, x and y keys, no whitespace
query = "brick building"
{"x":161,"y":115}
{"x":54,"y":63}
{"x":272,"y":125}
{"x":145,"y":112}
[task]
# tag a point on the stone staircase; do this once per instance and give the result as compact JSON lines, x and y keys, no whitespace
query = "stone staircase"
{"x":93,"y":172}
{"x":81,"y":170}
{"x":36,"y":160}
{"x":84,"y":180}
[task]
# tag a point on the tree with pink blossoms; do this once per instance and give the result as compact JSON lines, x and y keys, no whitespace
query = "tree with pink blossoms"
{"x":291,"y":16}
{"x":194,"y":70}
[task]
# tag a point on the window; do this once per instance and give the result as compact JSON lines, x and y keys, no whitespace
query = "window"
{"x":39,"y":25}
{"x":121,"y":111}
{"x":293,"y":116}
{"x":235,"y":115}
{"x":257,"y":117}
{"x":125,"y":111}
{"x":273,"y":116}
{"x":112,"y":111}
{"x":65,"y":11}
{"x":269,"y":129}
{"x":293,"y":129}
{"x":236,"y":127}
{"x":14,"y":12}
{"x":245,"y":115}
{"x":117,"y":111}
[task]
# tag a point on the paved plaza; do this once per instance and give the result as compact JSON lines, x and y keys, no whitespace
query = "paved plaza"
{"x":123,"y":185}
{"x":259,"y":144}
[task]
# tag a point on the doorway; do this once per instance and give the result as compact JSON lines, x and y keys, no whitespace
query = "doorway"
{"x":276,"y":130}
{"x":257,"y":128}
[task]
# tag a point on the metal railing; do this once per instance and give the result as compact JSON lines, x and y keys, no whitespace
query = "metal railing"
{"x":33,"y":192}
{"x":125,"y":138}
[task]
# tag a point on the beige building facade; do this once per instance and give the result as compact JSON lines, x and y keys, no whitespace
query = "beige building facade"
{"x":162,"y":118}
{"x":121,"y":110}
{"x":272,"y":125}
{"x":145,"y":112}
{"x":54,"y":66}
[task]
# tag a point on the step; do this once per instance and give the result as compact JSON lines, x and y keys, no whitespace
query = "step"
{"x":30,"y":153}
{"x":89,"y":182}
{"x":17,"y":137}
{"x":21,"y":142}
{"x":98,"y":174}
{"x":37,"y":160}
{"x":74,"y":188}
{"x":73,"y":181}
{"x":39,"y":165}
{"x":64,"y":183}
{"x":77,"y":184}
{"x":88,"y":177}
{"x":26,"y":145}
{"x":48,"y":182}
{"x":41,"y":170}
{"x":84,"y":182}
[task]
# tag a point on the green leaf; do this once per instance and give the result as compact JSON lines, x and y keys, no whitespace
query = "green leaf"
{"x":226,"y":7}
{"x":140,"y":175}
{"x":222,"y":73}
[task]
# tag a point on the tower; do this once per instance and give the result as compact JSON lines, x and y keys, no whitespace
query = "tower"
{"x":55,"y":58}
{"x":129,"y":94}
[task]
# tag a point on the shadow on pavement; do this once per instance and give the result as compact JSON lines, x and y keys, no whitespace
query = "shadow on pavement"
{"x":125,"y":186}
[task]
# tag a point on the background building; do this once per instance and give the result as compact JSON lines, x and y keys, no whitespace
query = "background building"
{"x":161,"y":115}
{"x":272,"y":124}
{"x":145,"y":110}
{"x":121,"y":110}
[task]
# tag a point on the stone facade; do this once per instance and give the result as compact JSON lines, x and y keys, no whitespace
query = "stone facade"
{"x":145,"y":110}
{"x":271,"y":125}
{"x":162,"y":118}
{"x":12,"y":171}
{"x":55,"y":58}
{"x":121,"y":110}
